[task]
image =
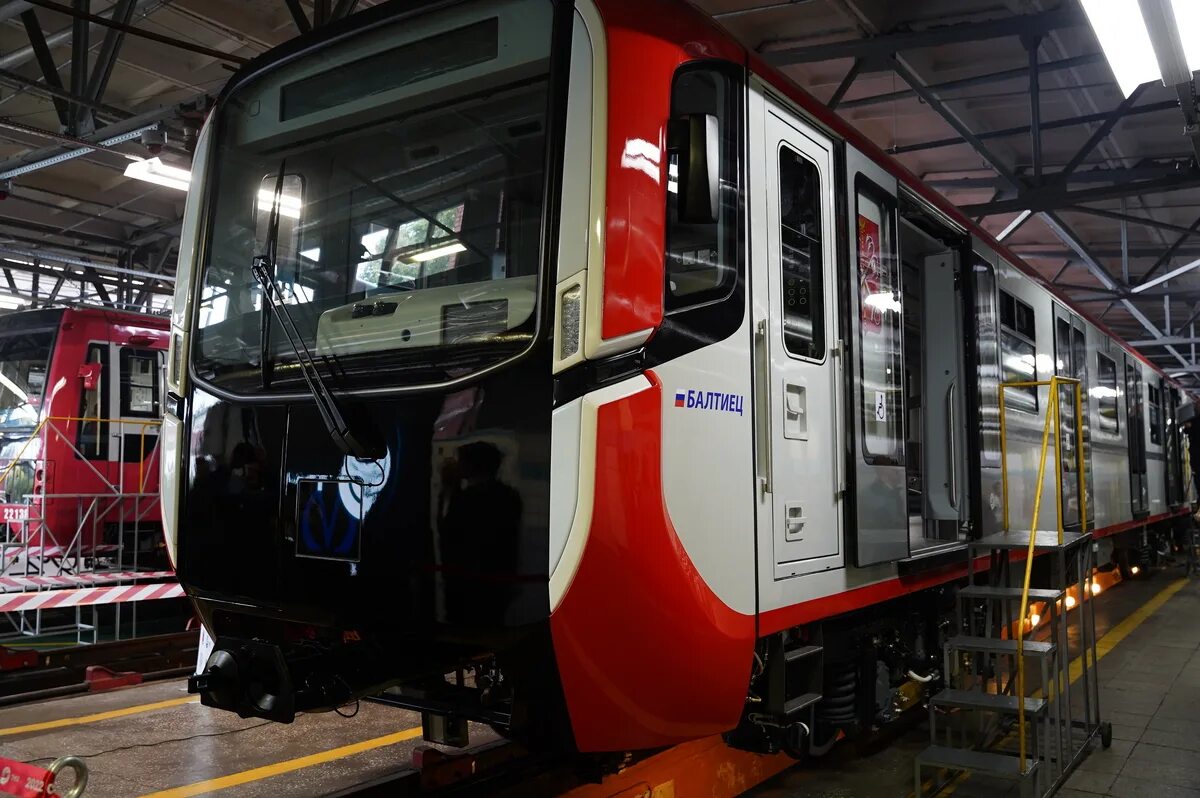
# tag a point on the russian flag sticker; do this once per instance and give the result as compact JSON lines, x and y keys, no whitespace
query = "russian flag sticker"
{"x":679,"y":399}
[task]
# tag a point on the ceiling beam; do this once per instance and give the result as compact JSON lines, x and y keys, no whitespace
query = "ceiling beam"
{"x":1101,"y":133}
{"x":142,"y":33}
{"x":1169,"y":340}
{"x":80,"y":120}
{"x":45,"y":61}
{"x":1023,"y":130}
{"x":845,"y":85}
{"x":887,"y":44}
{"x":110,"y":48}
{"x":1108,"y":250}
{"x":108,"y":136}
{"x":298,"y":16}
{"x":1052,"y":197}
{"x":1144,"y":221}
{"x":1171,"y":251}
{"x":971,"y":82}
{"x":1125,"y":174}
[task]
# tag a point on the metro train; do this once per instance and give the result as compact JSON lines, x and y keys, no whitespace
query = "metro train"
{"x":564,"y":367}
{"x":80,"y":402}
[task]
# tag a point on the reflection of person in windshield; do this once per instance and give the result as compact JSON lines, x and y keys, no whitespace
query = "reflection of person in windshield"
{"x":479,"y":531}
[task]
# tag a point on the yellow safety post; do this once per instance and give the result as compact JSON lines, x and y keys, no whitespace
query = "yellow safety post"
{"x":1037,"y":506}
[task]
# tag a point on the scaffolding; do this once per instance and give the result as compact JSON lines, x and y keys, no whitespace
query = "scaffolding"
{"x":106,"y":534}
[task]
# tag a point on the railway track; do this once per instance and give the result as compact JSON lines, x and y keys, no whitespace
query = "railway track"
{"x":34,"y":675}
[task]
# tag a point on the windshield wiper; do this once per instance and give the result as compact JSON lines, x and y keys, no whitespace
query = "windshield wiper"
{"x":358,"y":440}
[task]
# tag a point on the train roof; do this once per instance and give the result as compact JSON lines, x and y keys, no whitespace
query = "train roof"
{"x":53,"y":315}
{"x":682,"y":31}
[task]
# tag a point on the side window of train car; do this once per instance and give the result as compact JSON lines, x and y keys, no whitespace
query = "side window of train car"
{"x":800,"y":255}
{"x":1018,"y":352}
{"x":881,"y":366}
{"x":702,"y":254}
{"x":1154,"y":406}
{"x":1106,"y":394}
{"x":92,"y":437}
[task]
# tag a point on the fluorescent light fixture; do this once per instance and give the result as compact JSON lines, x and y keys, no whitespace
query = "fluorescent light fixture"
{"x":289,"y":205}
{"x":11,"y":302}
{"x":1102,"y":392}
{"x":1162,"y":278}
{"x":1123,"y":36}
{"x":436,"y":252}
{"x":153,"y":170}
{"x":313,"y":254}
{"x":1014,"y":224}
{"x":1178,"y":374}
{"x":1187,"y":19}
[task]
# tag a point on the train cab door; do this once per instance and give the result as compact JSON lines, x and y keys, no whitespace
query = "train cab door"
{"x":120,"y":404}
{"x":876,"y":415}
{"x":797,"y":413}
{"x":137,"y":402}
{"x":1071,"y":360}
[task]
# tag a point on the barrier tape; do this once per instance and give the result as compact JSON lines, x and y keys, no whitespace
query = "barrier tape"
{"x":30,"y":781}
{"x":88,"y":596}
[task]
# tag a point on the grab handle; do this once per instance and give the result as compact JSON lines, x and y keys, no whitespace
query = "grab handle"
{"x":763,"y":354}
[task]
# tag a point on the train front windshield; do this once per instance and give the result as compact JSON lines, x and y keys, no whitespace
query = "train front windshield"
{"x":24,"y":361}
{"x":395,"y":181}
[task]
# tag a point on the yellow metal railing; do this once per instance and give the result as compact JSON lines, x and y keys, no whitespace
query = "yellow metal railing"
{"x":1052,"y":422}
{"x":50,"y":422}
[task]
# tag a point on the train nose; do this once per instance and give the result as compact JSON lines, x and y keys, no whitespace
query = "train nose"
{"x":249,"y":678}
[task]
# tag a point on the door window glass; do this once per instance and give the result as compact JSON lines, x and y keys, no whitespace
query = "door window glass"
{"x":702,"y":257}
{"x":92,"y":439}
{"x":1106,"y":394}
{"x":1018,"y":350}
{"x":800,"y":255}
{"x":139,"y":383}
{"x":880,"y":315}
{"x":1154,"y":403}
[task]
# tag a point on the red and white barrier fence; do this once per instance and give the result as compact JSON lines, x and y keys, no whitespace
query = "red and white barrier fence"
{"x":88,"y":596}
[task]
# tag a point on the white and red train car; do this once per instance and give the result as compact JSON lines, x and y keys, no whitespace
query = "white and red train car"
{"x":80,"y":404}
{"x":603,"y":364}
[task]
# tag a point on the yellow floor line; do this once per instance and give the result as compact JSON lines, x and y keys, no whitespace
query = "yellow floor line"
{"x":109,"y":715}
{"x":287,"y":766}
{"x":1104,"y":645}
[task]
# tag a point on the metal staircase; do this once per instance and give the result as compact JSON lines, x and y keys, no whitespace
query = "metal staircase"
{"x":991,"y":719}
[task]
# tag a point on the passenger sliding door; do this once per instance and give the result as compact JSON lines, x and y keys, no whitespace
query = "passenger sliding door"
{"x":1070,"y":360}
{"x":795,"y":323}
{"x":876,"y":414}
{"x":1136,"y":436}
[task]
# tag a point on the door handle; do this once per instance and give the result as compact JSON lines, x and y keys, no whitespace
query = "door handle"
{"x":762,"y":352}
{"x":794,"y":521}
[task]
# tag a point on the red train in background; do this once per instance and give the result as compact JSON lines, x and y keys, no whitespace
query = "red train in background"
{"x":80,"y":408}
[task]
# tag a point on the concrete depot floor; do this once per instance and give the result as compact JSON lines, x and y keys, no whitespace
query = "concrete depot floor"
{"x":1150,"y":691}
{"x":168,"y":746}
{"x":171,"y":741}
